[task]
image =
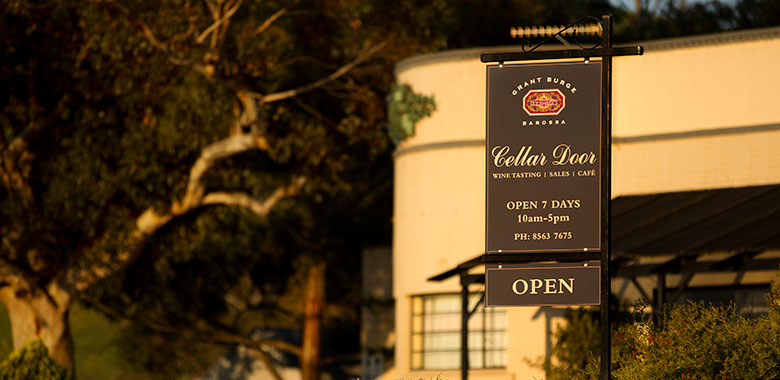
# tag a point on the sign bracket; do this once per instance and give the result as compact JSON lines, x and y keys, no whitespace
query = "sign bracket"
{"x":574,"y":29}
{"x":536,"y":257}
{"x":560,"y":54}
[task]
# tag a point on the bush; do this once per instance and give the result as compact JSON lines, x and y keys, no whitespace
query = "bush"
{"x":32,"y":362}
{"x":574,"y":346}
{"x":697,"y":341}
{"x":700,"y":341}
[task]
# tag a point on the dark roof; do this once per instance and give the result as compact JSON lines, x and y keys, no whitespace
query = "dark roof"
{"x":744,"y":221}
{"x":461,"y":268}
{"x":696,"y":222}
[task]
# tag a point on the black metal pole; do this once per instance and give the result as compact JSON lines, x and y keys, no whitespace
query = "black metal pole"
{"x":660,"y":300}
{"x":464,"y":327}
{"x":606,"y":180}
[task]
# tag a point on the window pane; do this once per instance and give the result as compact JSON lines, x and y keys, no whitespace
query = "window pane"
{"x":417,"y":362}
{"x":442,"y":341}
{"x":436,"y":333}
{"x":476,"y":320}
{"x":442,"y":304}
{"x":473,"y":299}
{"x":495,"y":339}
{"x":476,"y":340}
{"x":441,"y":360}
{"x":442,"y":322}
{"x":496,"y":319}
{"x":417,"y":342}
{"x":417,"y":324}
{"x":417,"y":305}
{"x":495,"y":359}
{"x":476,"y":359}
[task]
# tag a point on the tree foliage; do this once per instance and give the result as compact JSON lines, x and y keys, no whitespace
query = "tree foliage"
{"x":404,"y":109}
{"x":668,"y":18}
{"x":575,"y":345}
{"x":132,"y":132}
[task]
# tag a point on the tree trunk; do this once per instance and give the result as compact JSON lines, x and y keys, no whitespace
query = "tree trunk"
{"x":34,"y":314}
{"x":314,"y":299}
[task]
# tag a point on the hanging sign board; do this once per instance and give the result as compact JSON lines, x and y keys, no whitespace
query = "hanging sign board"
{"x":560,"y":284}
{"x":543,"y":158}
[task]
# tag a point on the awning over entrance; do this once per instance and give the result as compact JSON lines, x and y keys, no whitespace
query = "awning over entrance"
{"x":685,"y":227}
{"x":696,"y":222}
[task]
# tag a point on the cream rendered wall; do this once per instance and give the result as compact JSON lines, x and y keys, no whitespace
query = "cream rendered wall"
{"x":676,"y":114}
{"x":695,"y":88}
{"x":707,"y":92}
{"x":747,"y":159}
{"x":439,"y":216}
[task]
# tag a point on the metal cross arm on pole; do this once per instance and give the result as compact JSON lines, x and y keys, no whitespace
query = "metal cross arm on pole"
{"x":558,"y":54}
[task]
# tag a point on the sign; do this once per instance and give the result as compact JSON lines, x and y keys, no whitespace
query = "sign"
{"x":543,"y":158}
{"x":558,"y":284}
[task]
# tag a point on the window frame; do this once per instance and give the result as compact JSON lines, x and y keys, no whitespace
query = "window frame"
{"x":484,"y":350}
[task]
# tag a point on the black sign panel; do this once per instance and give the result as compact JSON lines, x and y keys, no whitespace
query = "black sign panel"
{"x":559,"y":284}
{"x":543,"y":158}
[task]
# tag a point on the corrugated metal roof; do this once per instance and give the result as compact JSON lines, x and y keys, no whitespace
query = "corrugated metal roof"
{"x":744,"y":221}
{"x":696,"y":222}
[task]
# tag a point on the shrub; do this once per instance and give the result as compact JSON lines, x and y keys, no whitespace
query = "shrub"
{"x":697,"y":341}
{"x":32,"y":362}
{"x":574,"y":346}
{"x":701,"y":341}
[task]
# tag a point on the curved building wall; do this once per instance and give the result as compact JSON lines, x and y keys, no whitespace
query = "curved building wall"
{"x":695,"y":113}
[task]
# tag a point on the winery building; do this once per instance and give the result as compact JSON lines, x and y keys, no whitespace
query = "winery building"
{"x":695,"y":201}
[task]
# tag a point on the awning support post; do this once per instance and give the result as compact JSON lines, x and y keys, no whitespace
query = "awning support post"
{"x":466,"y":280}
{"x":660,"y":300}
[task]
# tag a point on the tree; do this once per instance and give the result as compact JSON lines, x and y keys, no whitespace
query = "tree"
{"x":653,"y":19}
{"x":126,"y":121}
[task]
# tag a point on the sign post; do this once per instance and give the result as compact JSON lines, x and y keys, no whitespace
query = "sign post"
{"x":605,"y":323}
{"x":548,"y":177}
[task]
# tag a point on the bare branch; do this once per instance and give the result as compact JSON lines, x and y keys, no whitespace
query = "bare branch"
{"x":367,"y":53}
{"x":248,"y":117}
{"x":78,"y":279}
{"x":270,"y":20}
{"x":260,"y":207}
{"x":212,"y":8}
{"x":205,"y":69}
{"x":269,"y":365}
{"x":211,"y":154}
{"x":219,"y":22}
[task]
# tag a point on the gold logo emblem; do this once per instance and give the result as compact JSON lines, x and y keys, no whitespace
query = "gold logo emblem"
{"x":544,"y":102}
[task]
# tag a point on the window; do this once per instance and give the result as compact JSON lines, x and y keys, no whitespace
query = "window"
{"x":436,"y":333}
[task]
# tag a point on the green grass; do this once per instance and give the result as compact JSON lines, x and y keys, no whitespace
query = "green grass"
{"x":6,"y":344}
